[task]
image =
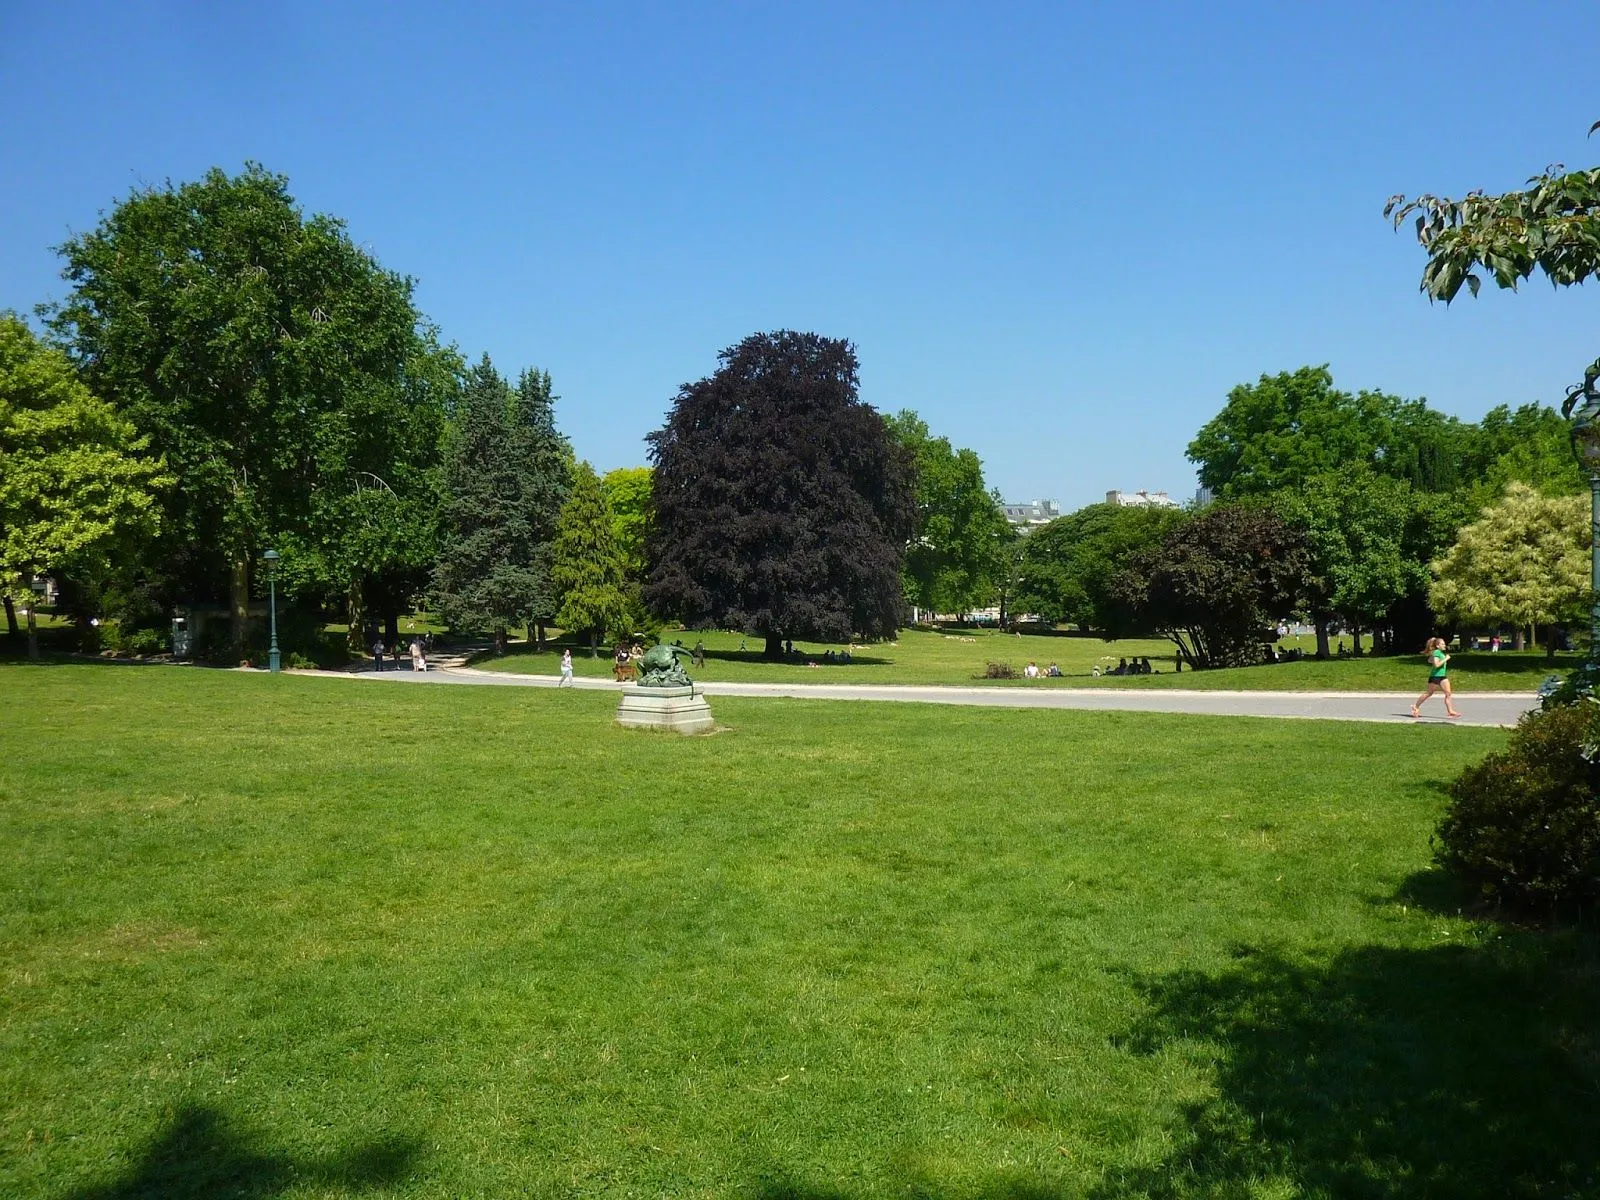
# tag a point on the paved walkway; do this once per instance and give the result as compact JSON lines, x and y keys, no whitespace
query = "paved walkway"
{"x":1493,"y":709}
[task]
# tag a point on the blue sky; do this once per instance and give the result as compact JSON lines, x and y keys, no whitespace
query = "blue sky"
{"x":1060,"y":232}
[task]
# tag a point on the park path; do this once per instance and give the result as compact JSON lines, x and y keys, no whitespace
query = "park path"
{"x":1491,"y":709}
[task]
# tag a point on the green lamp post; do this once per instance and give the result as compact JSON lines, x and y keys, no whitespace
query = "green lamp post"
{"x":1586,"y":441}
{"x":271,"y":559}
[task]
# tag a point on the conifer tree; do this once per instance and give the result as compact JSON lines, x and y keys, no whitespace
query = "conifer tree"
{"x":507,"y":480}
{"x":589,"y":573}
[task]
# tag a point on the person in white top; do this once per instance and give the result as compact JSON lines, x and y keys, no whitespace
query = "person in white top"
{"x":1031,"y":670}
{"x":566,"y":668}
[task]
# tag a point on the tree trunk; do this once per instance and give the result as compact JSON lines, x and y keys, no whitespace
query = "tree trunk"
{"x":1321,"y":622}
{"x":239,"y":601}
{"x":1550,"y":644}
{"x":1520,"y":640}
{"x":1355,"y":640}
{"x":774,"y":648}
{"x":391,"y":627}
{"x":538,"y":636}
{"x":355,"y":633}
{"x":33,"y":632}
{"x":11,"y":619}
{"x":500,"y":641}
{"x":594,"y":643}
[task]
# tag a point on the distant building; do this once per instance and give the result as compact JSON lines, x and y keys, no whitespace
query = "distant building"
{"x":1203,"y":496}
{"x":1034,"y":512}
{"x":1141,"y":499}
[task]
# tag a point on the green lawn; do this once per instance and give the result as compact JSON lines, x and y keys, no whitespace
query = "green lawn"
{"x":957,"y":658}
{"x":305,"y":937}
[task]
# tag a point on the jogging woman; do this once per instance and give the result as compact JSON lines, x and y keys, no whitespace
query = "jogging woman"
{"x":1438,"y":678}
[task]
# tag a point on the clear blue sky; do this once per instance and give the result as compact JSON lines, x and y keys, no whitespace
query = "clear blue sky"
{"x":1061,"y":232}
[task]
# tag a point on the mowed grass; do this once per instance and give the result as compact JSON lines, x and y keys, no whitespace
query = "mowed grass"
{"x":959,"y":658}
{"x":307,"y":937}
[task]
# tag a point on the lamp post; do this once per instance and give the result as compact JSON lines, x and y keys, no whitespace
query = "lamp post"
{"x":271,"y":558}
{"x":1586,"y":440}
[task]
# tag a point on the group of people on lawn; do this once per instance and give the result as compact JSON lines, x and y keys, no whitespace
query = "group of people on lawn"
{"x":417,"y":650}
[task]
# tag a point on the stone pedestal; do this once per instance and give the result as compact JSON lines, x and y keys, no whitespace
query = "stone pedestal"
{"x":679,"y":709}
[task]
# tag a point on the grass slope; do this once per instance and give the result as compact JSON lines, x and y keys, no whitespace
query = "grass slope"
{"x":956,"y":658}
{"x":285,"y":937}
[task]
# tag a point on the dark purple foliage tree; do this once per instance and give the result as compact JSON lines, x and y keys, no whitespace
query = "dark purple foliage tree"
{"x":1216,"y":583}
{"x":783,"y":504}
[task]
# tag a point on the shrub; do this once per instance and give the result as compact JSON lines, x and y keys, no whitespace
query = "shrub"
{"x":1523,"y":826}
{"x":998,"y":670}
{"x":141,"y":641}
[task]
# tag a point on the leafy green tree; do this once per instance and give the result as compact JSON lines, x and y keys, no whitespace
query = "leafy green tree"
{"x":1531,"y":444}
{"x":589,"y":571}
{"x":1354,"y":525}
{"x":507,"y":476}
{"x":1216,"y":583}
{"x":1552,"y":225}
{"x":264,"y":354}
{"x":783,"y":505}
{"x":1069,"y":565}
{"x":952,"y":561}
{"x":371,"y":544}
{"x":630,"y":491}
{"x":1285,"y":428}
{"x":76,"y":482}
{"x":1524,"y":562}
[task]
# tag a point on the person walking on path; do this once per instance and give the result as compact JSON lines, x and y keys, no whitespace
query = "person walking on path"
{"x":377,"y":654}
{"x":1438,"y":678}
{"x":566,"y":669}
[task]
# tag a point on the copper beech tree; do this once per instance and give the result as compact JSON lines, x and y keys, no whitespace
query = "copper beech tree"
{"x":783,"y":503}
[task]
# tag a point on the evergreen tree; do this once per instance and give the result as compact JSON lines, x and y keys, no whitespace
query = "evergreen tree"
{"x":589,"y":573}
{"x":506,"y":480}
{"x":783,"y":504}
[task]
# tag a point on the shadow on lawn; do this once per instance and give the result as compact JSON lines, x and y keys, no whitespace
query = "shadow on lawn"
{"x":1452,"y":1072}
{"x":1003,"y":1189}
{"x":199,"y":1157}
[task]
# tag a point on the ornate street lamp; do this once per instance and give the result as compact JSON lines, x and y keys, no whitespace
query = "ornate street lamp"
{"x":1586,"y":441}
{"x":271,"y":558}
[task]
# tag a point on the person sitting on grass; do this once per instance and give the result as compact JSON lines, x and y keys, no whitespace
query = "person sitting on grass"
{"x":1053,"y":671}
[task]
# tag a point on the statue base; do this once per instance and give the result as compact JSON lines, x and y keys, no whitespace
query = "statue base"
{"x":678,"y":709}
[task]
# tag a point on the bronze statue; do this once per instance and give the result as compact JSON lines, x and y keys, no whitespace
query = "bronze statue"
{"x":660,"y":668}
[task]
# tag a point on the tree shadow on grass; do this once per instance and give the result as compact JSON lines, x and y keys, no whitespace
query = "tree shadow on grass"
{"x":1532,"y":666}
{"x":802,"y":657}
{"x":198,"y":1156}
{"x":1002,"y":1188}
{"x":1454,"y":1071}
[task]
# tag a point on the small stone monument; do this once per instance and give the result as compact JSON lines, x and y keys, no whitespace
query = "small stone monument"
{"x":664,"y":697}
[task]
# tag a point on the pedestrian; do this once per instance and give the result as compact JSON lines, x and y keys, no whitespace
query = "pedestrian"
{"x":377,"y":654}
{"x":1438,"y":678}
{"x":419,"y":660}
{"x":566,"y":669}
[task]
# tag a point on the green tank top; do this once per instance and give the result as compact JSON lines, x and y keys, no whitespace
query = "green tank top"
{"x":1440,"y":668}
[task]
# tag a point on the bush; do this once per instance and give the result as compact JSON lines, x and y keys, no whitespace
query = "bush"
{"x":1523,"y":826}
{"x":998,"y":670}
{"x":141,"y":641}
